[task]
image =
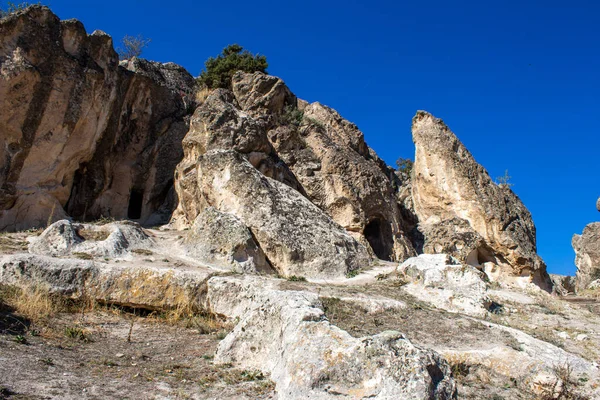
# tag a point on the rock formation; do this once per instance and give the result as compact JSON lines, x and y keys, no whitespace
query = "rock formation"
{"x":122,"y":144}
{"x":587,"y":255}
{"x":494,"y":231}
{"x":82,"y":135}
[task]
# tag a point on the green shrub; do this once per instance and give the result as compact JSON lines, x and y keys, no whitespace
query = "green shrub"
{"x":218,"y":71}
{"x":291,"y":116}
{"x":405,"y":165}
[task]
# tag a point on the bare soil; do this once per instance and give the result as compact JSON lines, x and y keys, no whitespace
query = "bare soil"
{"x":74,"y":356}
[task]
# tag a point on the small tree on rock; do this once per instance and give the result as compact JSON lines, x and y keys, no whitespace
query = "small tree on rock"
{"x":132,"y":46}
{"x":219,"y":71}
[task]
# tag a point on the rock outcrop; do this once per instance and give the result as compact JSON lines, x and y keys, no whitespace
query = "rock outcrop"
{"x":285,"y":333}
{"x":80,"y":133}
{"x":587,"y":259}
{"x":448,"y":184}
{"x":64,"y":238}
{"x":221,"y":239}
{"x":295,"y":235}
{"x":445,"y":283}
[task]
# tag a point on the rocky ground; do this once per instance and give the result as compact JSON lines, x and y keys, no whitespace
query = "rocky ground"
{"x":522,"y":343}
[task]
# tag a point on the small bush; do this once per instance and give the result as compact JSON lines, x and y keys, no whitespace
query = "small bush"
{"x":405,"y":165}
{"x":132,"y":46}
{"x":219,"y":71}
{"x":353,"y":273}
{"x":14,"y":7}
{"x":294,"y":278}
{"x":291,"y":116}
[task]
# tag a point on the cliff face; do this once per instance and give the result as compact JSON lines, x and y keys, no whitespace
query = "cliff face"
{"x":86,"y":136}
{"x":490,"y":227}
{"x":82,"y":134}
{"x":587,"y":255}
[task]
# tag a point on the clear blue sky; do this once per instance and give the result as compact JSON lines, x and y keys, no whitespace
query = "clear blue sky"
{"x":517,"y":81}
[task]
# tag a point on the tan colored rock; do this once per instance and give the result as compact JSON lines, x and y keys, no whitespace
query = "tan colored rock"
{"x":222,"y":239}
{"x":286,"y":334}
{"x":448,"y":183}
{"x":79,"y":132}
{"x":295,"y":235}
{"x":64,"y":238}
{"x":150,"y":287}
{"x":330,"y":158}
{"x":587,"y":255}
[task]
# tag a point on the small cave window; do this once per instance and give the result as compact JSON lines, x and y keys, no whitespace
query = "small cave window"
{"x":380,"y":242}
{"x":136,"y":201}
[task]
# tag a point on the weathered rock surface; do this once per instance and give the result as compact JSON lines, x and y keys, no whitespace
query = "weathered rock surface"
{"x":330,"y":158}
{"x":295,"y":235}
{"x":445,"y":283}
{"x":79,"y":132}
{"x":448,"y":184}
{"x":286,"y":334}
{"x":64,"y":238}
{"x":587,"y":258}
{"x":126,"y":284}
{"x":563,"y":284}
{"x":222,"y":239}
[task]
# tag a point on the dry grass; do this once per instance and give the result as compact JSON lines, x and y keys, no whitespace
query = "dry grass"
{"x":201,"y":95}
{"x":34,"y":303}
{"x":563,"y":385}
{"x":93,"y":235}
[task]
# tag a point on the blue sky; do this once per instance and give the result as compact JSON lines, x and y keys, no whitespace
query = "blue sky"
{"x":517,"y":81}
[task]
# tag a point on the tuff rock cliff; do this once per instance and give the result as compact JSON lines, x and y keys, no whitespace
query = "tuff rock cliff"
{"x":87,"y":137}
{"x":587,"y":256}
{"x":81,"y":134}
{"x":259,"y":219}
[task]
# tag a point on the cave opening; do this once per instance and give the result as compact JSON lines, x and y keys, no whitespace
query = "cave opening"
{"x":136,"y":201}
{"x":381,"y":241}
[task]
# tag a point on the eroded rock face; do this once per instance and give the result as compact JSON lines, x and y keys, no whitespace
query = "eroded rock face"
{"x":444,"y":282}
{"x":448,"y":184}
{"x":81,"y":133}
{"x":285,"y":333}
{"x":587,"y":258}
{"x":222,"y":239}
{"x":64,"y":238}
{"x":295,"y":235}
{"x":330,"y":158}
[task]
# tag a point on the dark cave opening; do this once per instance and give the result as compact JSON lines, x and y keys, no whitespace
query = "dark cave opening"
{"x":136,"y":202}
{"x":381,"y":241}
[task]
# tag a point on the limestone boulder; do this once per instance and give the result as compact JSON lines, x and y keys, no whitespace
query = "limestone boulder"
{"x":296,"y":236}
{"x":80,"y":132}
{"x":587,"y":255}
{"x":286,"y":334}
{"x":222,"y":239}
{"x":128,"y":284}
{"x":448,"y":183}
{"x":64,"y":238}
{"x":445,"y":283}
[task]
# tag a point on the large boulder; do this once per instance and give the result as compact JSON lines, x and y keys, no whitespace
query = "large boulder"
{"x":296,"y":236}
{"x":286,"y":334}
{"x":223,"y":240}
{"x":587,"y":258}
{"x":448,"y":183}
{"x":445,"y":283}
{"x":330,"y":158}
{"x":64,"y":238}
{"x":82,"y":133}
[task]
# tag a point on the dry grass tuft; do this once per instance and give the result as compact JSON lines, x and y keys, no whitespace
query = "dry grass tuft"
{"x":201,"y":95}
{"x":34,"y":303}
{"x":93,"y":235}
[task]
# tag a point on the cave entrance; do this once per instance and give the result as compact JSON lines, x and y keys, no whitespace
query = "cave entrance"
{"x":136,"y":201}
{"x":379,"y":236}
